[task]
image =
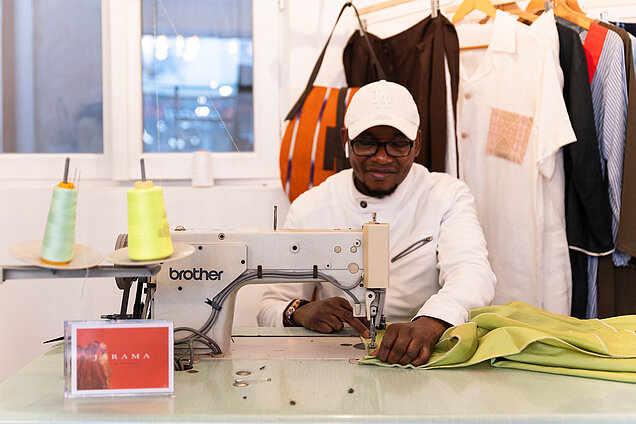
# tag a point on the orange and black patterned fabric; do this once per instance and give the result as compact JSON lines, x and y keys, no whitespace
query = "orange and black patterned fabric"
{"x":311,"y":149}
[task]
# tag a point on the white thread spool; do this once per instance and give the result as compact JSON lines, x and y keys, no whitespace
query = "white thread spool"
{"x":202,"y":169}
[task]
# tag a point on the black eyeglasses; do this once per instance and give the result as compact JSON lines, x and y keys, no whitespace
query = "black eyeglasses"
{"x":394,"y":148}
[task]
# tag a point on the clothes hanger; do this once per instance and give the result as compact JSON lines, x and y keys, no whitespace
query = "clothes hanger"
{"x":561,"y":9}
{"x":574,"y":5}
{"x":535,"y":6}
{"x":514,"y":8}
{"x":468,"y":6}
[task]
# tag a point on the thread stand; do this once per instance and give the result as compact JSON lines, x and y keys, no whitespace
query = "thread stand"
{"x":26,"y":272}
{"x":120,"y":256}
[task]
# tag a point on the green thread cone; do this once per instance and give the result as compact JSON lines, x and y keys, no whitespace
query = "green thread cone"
{"x":59,"y":236}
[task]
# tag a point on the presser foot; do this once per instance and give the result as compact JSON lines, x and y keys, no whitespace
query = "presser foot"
{"x":372,"y":333}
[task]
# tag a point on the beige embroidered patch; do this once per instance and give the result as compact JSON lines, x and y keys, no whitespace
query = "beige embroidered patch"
{"x":508,"y":135}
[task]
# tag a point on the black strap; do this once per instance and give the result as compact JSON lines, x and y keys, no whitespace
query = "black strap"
{"x":340,"y":111}
{"x":342,"y":162}
{"x":294,"y":110}
{"x":334,"y":154}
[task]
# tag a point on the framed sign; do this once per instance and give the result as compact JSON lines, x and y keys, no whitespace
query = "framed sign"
{"x":107,"y":358}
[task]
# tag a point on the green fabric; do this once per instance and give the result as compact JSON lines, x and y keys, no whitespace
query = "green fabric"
{"x":517,"y":335}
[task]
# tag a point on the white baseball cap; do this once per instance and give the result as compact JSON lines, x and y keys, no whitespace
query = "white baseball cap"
{"x":382,"y":103}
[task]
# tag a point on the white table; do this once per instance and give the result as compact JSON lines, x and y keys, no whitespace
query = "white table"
{"x":306,"y":389}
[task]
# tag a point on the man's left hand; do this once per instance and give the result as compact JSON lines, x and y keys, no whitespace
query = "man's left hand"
{"x":411,"y":342}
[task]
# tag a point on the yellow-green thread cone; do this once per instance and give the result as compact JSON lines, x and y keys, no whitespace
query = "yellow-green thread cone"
{"x":59,"y":236}
{"x":148,"y":231}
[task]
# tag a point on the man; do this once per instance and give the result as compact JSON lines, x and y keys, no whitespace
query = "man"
{"x":440,"y":268}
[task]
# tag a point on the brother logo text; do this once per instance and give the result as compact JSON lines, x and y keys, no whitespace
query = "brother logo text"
{"x":195,"y":274}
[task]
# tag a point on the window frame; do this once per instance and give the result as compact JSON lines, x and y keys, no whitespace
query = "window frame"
{"x":123,"y":119}
{"x":34,"y":166}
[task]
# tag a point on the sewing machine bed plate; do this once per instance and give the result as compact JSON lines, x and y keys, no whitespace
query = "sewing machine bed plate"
{"x":293,"y":343}
{"x":324,"y":390}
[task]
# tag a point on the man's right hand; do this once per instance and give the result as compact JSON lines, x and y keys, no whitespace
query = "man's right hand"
{"x":329,"y":315}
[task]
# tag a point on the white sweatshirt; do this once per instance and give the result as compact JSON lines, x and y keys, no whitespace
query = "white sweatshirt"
{"x":443,"y":279}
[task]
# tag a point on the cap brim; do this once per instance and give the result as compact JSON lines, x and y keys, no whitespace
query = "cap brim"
{"x":409,"y":129}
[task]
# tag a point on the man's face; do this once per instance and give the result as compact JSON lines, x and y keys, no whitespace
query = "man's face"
{"x":380,"y":174}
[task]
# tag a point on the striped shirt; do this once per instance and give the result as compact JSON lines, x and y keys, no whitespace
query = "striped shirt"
{"x":609,"y":98}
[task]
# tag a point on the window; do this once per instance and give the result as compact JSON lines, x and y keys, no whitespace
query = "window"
{"x":197,"y":76}
{"x":51,"y":76}
{"x":111,"y":81}
{"x":167,"y":108}
{"x":51,"y":86}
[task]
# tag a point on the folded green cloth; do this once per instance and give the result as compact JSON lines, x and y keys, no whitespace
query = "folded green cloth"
{"x":517,"y":335}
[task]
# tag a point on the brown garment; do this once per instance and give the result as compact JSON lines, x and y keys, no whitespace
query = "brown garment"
{"x":616,"y":293}
{"x":414,"y":58}
{"x":626,"y":237}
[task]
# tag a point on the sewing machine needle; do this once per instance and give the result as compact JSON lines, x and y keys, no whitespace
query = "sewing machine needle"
{"x":372,"y":333}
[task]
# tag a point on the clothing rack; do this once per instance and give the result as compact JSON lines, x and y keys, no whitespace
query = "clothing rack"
{"x":452,"y":8}
{"x":391,"y":3}
{"x":587,"y":4}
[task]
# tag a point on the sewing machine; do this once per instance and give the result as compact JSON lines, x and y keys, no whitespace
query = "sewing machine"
{"x":198,"y":292}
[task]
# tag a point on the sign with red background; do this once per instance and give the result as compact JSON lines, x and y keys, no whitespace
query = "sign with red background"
{"x":137,"y":356}
{"x":129,"y":357}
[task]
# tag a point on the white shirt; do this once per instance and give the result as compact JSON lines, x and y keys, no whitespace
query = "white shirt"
{"x":443,"y":279}
{"x":511,"y":124}
{"x":545,"y":27}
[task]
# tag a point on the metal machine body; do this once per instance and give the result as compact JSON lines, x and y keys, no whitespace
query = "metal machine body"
{"x":199,"y":292}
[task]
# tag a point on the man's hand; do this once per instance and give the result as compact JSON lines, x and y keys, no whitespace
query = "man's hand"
{"x":411,"y":342}
{"x":329,"y":315}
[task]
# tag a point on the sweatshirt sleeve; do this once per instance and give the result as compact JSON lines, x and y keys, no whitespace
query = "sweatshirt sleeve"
{"x":465,"y":276}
